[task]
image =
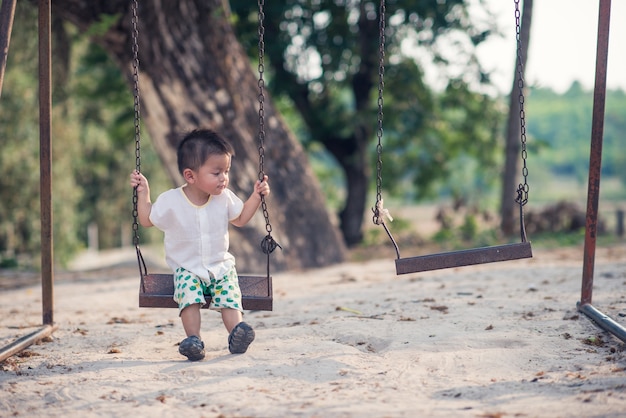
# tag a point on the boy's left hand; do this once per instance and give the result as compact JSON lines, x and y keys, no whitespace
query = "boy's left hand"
{"x":262,"y":188}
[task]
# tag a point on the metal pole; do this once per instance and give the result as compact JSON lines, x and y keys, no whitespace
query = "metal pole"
{"x":45,"y":161}
{"x":595,"y":165}
{"x":26,"y":341}
{"x":45,"y":178}
{"x":603,"y":321}
{"x":7,"y":12}
{"x":595,"y":157}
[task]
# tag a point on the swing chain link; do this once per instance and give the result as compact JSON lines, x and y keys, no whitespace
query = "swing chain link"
{"x":522,"y":190}
{"x":378,"y":216}
{"x":379,"y":212}
{"x":135,"y":45}
{"x":268,"y":244}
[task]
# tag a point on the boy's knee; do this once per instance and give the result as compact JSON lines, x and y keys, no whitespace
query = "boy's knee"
{"x":190,"y":309}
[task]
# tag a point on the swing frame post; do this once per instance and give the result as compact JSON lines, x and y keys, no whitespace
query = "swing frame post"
{"x":45,"y":169}
{"x":595,"y":171}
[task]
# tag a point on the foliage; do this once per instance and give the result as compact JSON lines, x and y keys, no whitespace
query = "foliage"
{"x":454,"y":139}
{"x":324,"y":56}
{"x":92,"y":147}
{"x":107,"y":145}
{"x":19,"y":161}
{"x":560,"y":128}
{"x":436,"y":143}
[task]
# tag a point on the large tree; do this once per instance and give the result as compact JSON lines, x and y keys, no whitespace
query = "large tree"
{"x":193,"y":72}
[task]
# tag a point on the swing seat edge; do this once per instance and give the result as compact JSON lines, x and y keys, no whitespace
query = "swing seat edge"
{"x":157,"y":291}
{"x":482,"y":255}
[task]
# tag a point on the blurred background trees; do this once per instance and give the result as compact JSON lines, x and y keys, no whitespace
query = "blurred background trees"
{"x":324,"y":61}
{"x":442,"y":141}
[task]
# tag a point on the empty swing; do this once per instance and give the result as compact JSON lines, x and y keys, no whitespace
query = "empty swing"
{"x":460,"y":258}
{"x":157,"y":290}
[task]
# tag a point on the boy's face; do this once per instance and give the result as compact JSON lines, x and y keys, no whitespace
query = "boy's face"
{"x":212,"y":177}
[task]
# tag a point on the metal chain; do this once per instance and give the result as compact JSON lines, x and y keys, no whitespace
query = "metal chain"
{"x":135,"y":43}
{"x":522,"y":191}
{"x":135,"y":36}
{"x":379,"y":212}
{"x":379,"y":133}
{"x":268,"y":244}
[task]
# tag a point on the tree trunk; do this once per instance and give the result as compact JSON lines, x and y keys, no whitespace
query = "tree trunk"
{"x":508,"y":206}
{"x":357,"y":178}
{"x":193,"y":72}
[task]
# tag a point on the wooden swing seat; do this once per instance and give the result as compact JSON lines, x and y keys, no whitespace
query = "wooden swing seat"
{"x":157,"y":291}
{"x":461,"y":258}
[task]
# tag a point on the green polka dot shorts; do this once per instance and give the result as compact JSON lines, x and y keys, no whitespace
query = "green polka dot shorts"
{"x":223,"y":292}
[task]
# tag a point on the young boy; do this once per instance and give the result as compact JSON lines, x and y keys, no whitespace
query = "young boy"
{"x":194,"y":219}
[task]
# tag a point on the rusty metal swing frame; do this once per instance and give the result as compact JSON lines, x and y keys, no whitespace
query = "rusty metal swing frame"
{"x":7,"y":13}
{"x":157,"y":290}
{"x":467,"y":257}
{"x":595,"y":170}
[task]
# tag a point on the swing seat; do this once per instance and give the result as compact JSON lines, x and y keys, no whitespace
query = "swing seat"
{"x":461,"y":258}
{"x":157,"y":291}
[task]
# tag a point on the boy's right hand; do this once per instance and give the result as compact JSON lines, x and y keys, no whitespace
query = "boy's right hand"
{"x":144,"y":206}
{"x":139,"y":181}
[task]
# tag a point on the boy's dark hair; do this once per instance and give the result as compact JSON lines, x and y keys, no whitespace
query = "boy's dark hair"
{"x":198,"y":145}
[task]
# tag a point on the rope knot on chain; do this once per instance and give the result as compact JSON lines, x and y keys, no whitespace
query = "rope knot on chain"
{"x":268,"y":244}
{"x":380,"y":212}
{"x":522,"y":195}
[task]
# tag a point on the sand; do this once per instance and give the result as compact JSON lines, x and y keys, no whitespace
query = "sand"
{"x":351,"y":340}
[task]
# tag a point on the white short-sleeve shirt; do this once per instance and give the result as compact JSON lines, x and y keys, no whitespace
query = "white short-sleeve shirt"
{"x":196,"y":237}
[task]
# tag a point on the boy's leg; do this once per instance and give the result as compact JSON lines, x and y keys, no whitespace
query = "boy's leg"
{"x":192,"y":347}
{"x":189,"y":295}
{"x":231,"y":317}
{"x":240,"y":335}
{"x":191,"y":318}
{"x":226,"y":296}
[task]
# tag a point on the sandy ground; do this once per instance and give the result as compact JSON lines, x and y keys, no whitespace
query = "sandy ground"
{"x":351,"y":340}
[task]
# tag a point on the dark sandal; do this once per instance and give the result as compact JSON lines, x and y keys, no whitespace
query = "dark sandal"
{"x":240,"y":338}
{"x":192,"y":348}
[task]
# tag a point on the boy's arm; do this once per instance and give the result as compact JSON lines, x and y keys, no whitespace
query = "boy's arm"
{"x":251,"y":205}
{"x":144,"y":205}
